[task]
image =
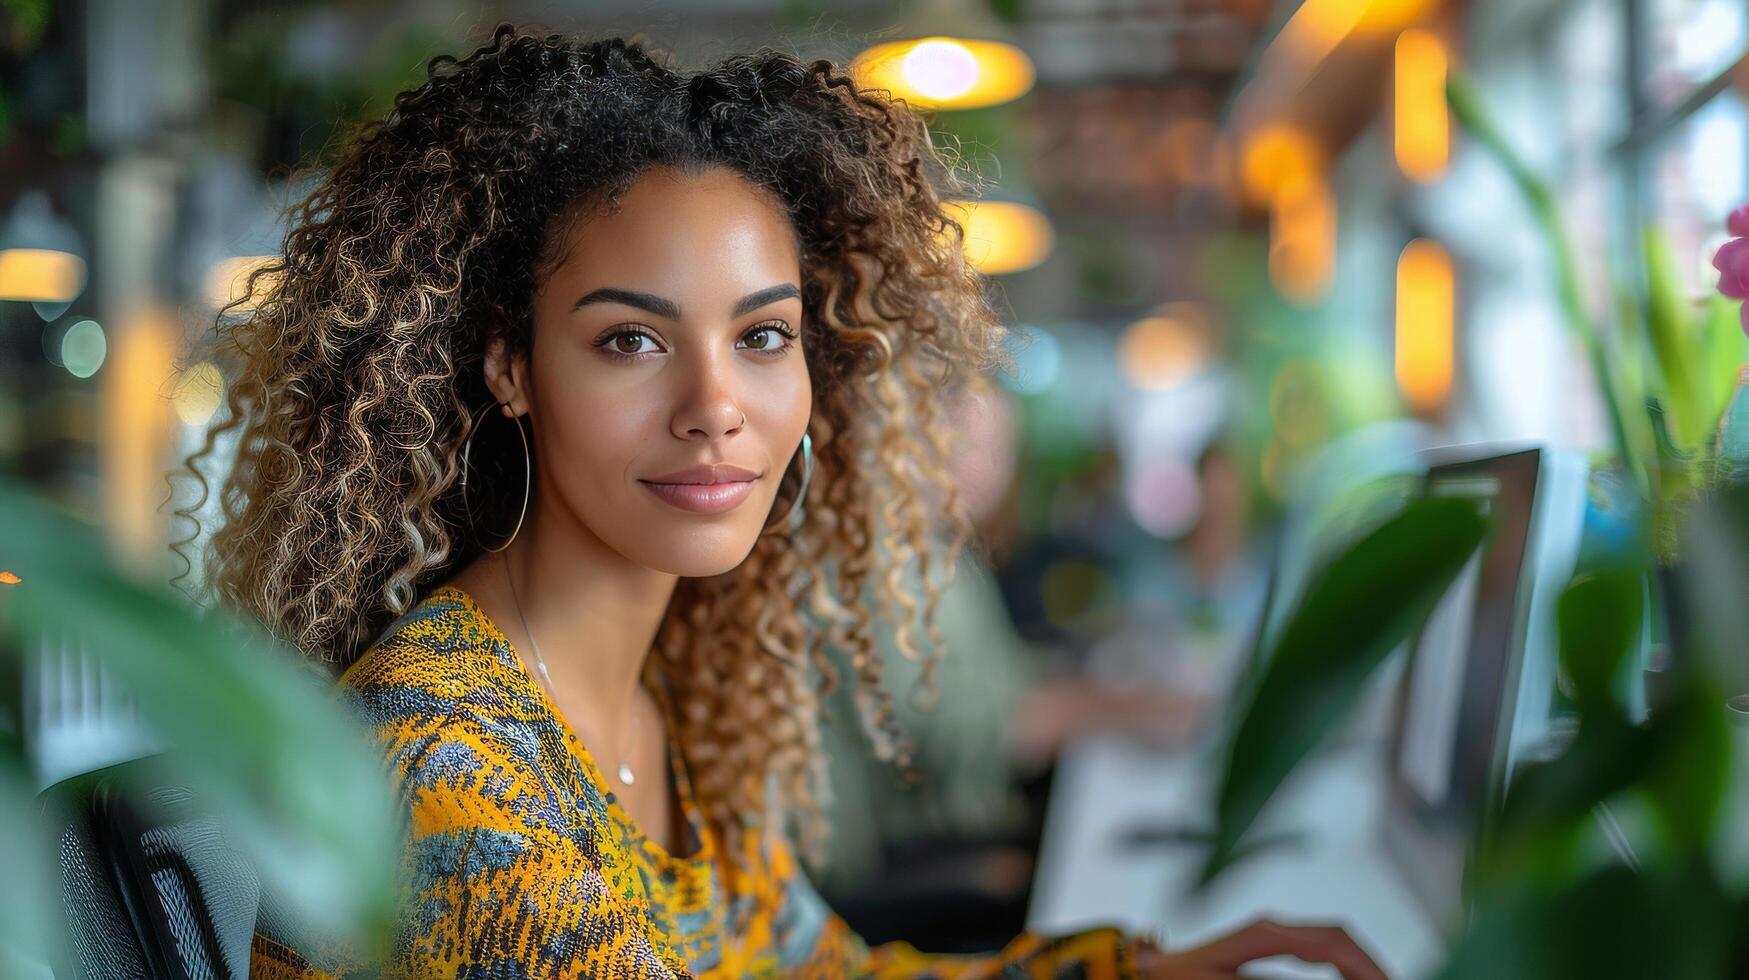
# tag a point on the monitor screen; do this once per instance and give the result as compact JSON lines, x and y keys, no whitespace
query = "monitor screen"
{"x":1478,"y":685}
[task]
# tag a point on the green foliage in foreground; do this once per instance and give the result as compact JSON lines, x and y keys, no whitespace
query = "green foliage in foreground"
{"x":259,"y":737}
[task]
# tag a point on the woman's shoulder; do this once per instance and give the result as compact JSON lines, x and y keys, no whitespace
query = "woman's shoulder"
{"x":438,"y":659}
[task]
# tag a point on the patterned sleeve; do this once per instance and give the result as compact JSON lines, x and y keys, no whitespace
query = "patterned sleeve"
{"x":830,"y":949}
{"x":498,"y":884}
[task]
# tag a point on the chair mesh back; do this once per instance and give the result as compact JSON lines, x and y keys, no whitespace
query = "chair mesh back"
{"x":168,"y":898}
{"x":100,"y":940}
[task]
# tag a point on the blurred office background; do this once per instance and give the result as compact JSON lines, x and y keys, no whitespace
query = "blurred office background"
{"x":1227,"y":233}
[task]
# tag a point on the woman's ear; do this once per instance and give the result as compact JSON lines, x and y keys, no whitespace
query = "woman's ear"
{"x":507,"y":377}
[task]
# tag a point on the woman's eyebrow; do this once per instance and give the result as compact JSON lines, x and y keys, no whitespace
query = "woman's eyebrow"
{"x":670,"y":310}
{"x":764,"y":297}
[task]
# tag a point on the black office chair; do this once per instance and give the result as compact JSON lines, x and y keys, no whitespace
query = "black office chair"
{"x":169,"y":898}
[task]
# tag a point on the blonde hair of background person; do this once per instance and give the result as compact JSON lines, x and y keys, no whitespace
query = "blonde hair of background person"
{"x":579,"y":238}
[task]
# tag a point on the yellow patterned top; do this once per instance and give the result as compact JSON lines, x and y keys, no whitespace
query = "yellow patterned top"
{"x":521,"y":863}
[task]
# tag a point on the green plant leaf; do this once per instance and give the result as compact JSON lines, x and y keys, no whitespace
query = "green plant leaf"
{"x":1688,"y":780}
{"x":1671,"y":924}
{"x":1629,"y":429}
{"x":1710,"y":585}
{"x":256,"y":733}
{"x":1357,"y":610}
{"x":1549,"y":802}
{"x":1724,"y":352}
{"x":1673,"y":343}
{"x":1599,"y":617}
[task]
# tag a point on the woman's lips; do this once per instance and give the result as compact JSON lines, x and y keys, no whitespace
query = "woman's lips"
{"x":702,"y":498}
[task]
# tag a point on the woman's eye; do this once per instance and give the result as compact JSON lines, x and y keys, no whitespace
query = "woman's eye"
{"x":628,"y":342}
{"x":771,"y":339}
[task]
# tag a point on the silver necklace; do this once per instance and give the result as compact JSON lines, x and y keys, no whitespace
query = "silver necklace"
{"x":625,"y":770}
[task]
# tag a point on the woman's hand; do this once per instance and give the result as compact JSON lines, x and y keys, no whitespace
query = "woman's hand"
{"x":1263,"y":938}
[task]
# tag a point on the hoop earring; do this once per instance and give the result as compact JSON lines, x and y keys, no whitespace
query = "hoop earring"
{"x":798,"y":510}
{"x":527,"y":473}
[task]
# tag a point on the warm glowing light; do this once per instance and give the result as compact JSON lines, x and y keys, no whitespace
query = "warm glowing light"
{"x":1160,"y":351}
{"x":1423,"y":126}
{"x":1383,"y":18}
{"x":940,"y":69}
{"x":1426,"y":297}
{"x":946,"y":72}
{"x":40,"y":275}
{"x":1275,"y":156}
{"x":228,"y":279}
{"x":1003,"y":236}
{"x":199,"y":391}
{"x":138,"y":429}
{"x":1302,"y":246}
{"x":1318,"y":26}
{"x":8,"y":578}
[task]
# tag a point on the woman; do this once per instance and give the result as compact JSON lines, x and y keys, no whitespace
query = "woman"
{"x":581,"y":381}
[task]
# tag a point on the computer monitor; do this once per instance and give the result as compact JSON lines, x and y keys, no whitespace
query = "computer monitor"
{"x":1343,"y":492}
{"x":1478,"y":690}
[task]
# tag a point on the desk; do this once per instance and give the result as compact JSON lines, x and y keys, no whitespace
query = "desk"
{"x":1107,"y":786}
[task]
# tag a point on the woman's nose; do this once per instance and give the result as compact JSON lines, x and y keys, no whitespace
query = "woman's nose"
{"x":709,"y":404}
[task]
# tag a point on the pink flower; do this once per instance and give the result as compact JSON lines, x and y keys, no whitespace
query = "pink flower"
{"x":1738,"y":223}
{"x":1732,"y":261}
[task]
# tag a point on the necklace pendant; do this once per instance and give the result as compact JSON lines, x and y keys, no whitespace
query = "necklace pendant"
{"x":625,"y":774}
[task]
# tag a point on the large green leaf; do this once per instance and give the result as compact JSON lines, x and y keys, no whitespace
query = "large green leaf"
{"x":1357,"y":610}
{"x":259,"y":736}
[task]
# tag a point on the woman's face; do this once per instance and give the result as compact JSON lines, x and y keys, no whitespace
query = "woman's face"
{"x":668,"y":339}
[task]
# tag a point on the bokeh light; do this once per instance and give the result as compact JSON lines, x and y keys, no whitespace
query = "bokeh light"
{"x":83,"y":348}
{"x":1038,"y":358}
{"x":1421,"y":123}
{"x":1426,"y":314}
{"x":199,"y":392}
{"x":1275,"y":155}
{"x":1002,"y":236}
{"x":941,"y":69}
{"x":228,"y":279}
{"x":946,"y":72}
{"x":1163,"y":496}
{"x":40,"y":275}
{"x":1158,"y":352}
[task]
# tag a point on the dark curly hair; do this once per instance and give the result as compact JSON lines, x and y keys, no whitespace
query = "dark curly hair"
{"x":354,"y":373}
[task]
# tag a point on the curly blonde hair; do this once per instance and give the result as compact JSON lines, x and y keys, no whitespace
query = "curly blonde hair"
{"x":355,"y":371}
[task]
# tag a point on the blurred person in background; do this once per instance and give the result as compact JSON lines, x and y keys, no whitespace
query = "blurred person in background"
{"x":946,"y":859}
{"x":1213,"y":583}
{"x":581,"y":636}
